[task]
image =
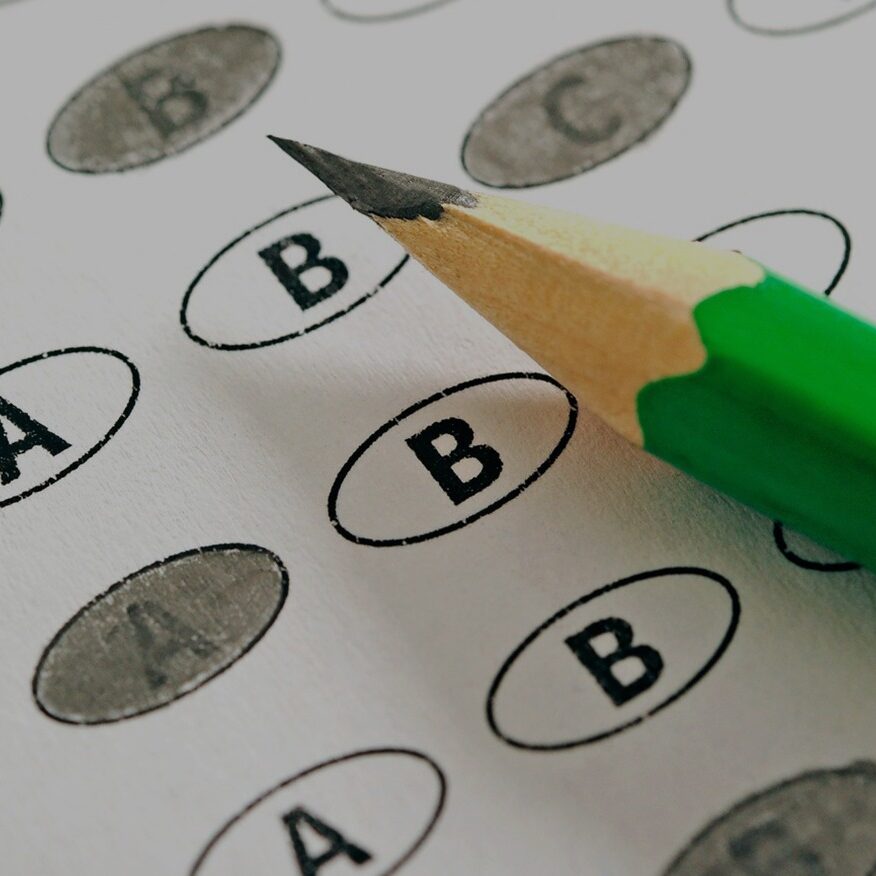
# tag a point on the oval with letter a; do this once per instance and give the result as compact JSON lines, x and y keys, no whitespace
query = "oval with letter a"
{"x":613,"y":658}
{"x":452,"y":458}
{"x":57,"y":410}
{"x":160,"y":633}
{"x":367,"y":812}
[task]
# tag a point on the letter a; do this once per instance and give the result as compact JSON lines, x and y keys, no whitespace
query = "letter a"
{"x":159,"y":636}
{"x":602,"y":668}
{"x":35,"y":435}
{"x":338,"y":844}
{"x":440,"y":465}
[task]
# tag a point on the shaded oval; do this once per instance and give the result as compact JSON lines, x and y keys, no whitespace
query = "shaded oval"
{"x":163,"y":98}
{"x":380,"y":10}
{"x":821,"y":822}
{"x":544,"y":698}
{"x":577,"y":112}
{"x":160,"y":633}
{"x":253,"y":293}
{"x":528,"y":433}
{"x":791,"y":17}
{"x":50,"y":400}
{"x":811,"y":246}
{"x":385,"y":800}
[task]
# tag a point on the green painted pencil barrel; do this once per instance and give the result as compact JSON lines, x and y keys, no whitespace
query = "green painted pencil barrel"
{"x":782,"y":416}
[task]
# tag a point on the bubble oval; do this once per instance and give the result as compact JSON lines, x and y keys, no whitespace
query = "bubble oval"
{"x":548,"y":454}
{"x":145,"y":106}
{"x":800,"y":551}
{"x":577,"y":112}
{"x":386,"y":763}
{"x":820,"y":822}
{"x":791,"y":17}
{"x":54,"y":368}
{"x":813,"y":232}
{"x":211,"y":605}
{"x":326,"y":211}
{"x":720,"y":590}
{"x":383,"y":10}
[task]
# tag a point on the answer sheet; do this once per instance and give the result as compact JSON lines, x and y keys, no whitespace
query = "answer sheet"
{"x":307,"y":569}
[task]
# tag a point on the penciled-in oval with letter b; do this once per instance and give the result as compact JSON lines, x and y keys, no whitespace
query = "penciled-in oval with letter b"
{"x":577,"y":112}
{"x":163,"y":99}
{"x":160,"y":633}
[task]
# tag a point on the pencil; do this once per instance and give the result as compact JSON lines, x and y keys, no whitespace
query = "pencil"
{"x":702,"y":357}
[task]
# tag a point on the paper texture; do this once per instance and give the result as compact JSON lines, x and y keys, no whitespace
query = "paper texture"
{"x":382,"y":596}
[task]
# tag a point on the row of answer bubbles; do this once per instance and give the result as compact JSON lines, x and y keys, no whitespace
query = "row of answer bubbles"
{"x":277,"y":260}
{"x":601,"y":665}
{"x":570,"y":115}
{"x":455,"y":456}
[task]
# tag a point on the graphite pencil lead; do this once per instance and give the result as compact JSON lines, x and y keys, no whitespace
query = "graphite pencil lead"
{"x":376,"y":190}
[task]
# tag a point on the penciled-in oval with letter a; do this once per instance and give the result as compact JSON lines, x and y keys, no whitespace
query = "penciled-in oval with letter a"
{"x":160,"y":633}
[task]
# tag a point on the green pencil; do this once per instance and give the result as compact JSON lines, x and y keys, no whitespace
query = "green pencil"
{"x":704,"y":358}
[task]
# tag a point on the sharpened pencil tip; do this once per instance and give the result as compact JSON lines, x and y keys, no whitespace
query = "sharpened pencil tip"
{"x":376,"y":190}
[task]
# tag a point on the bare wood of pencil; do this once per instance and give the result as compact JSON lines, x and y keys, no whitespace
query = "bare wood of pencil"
{"x":702,"y":357}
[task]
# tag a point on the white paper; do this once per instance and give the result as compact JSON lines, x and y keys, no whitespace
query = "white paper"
{"x":433,"y":645}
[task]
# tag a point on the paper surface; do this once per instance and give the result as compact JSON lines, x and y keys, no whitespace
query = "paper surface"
{"x":373,"y":594}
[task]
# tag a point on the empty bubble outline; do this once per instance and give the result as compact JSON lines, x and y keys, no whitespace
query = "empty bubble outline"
{"x":842,"y":18}
{"x":367,"y":752}
{"x":427,"y":6}
{"x":407,"y":412}
{"x":254,"y":345}
{"x":735,"y":614}
{"x":119,"y":422}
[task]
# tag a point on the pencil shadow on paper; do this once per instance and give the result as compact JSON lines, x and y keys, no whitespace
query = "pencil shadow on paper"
{"x":450,"y":609}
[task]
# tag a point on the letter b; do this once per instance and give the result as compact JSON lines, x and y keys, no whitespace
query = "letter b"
{"x":290,"y":277}
{"x":169,"y":100}
{"x":440,"y":465}
{"x":602,"y":668}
